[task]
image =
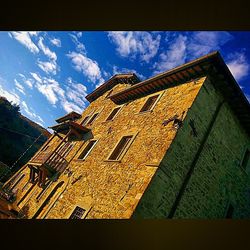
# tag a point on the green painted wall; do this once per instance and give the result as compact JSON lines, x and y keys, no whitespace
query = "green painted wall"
{"x":217,"y":177}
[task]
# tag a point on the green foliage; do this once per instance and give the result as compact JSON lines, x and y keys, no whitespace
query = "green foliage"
{"x":17,"y":133}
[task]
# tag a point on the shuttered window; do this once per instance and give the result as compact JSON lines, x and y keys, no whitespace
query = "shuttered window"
{"x":120,"y":147}
{"x":246,"y":160}
{"x":109,"y":93}
{"x":230,"y":211}
{"x":92,"y":118}
{"x":77,"y":213}
{"x":113,"y":113}
{"x":149,"y":103}
{"x":85,"y":120}
{"x":87,"y":149}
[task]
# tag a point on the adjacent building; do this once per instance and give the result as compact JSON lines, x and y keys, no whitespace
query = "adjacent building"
{"x":173,"y":146}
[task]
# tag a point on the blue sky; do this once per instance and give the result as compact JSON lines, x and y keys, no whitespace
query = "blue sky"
{"x":49,"y":73}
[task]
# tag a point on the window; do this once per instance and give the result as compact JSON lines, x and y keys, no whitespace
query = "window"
{"x":121,"y":146}
{"x":17,"y":181}
{"x":92,"y":118}
{"x":85,"y":120}
{"x":109,"y":93}
{"x":46,"y":148}
{"x":87,"y":150}
{"x":246,"y":160}
{"x":33,"y":174}
{"x":77,"y":213}
{"x":230,"y":211}
{"x":149,"y":103}
{"x":113,"y":113}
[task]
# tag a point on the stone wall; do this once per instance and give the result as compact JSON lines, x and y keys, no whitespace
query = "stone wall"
{"x":217,"y":178}
{"x":110,"y":189}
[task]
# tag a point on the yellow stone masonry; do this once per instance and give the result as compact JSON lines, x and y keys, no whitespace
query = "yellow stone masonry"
{"x":110,"y":189}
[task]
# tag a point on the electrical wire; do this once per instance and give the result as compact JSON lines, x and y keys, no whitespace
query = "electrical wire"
{"x":13,"y":131}
{"x":9,"y":169}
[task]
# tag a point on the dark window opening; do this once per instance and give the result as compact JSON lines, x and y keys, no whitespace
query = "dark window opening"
{"x":47,"y":200}
{"x":77,"y":213}
{"x":46,"y":148}
{"x":109,"y":93}
{"x":230,"y":211}
{"x":245,"y":163}
{"x":93,"y":118}
{"x":120,"y":147}
{"x":85,"y":120}
{"x":149,"y":103}
{"x":33,"y":175}
{"x":43,"y":190}
{"x":87,"y":150}
{"x":113,"y":113}
{"x":19,"y":179}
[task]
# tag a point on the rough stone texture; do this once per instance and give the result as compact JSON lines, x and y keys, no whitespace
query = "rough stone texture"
{"x":217,"y":178}
{"x":109,"y":189}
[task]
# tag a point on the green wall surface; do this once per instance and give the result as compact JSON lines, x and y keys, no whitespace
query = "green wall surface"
{"x":201,"y":173}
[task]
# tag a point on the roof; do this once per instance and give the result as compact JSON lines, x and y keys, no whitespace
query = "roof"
{"x":211,"y":64}
{"x":66,"y":126}
{"x":129,"y":78}
{"x":70,"y":116}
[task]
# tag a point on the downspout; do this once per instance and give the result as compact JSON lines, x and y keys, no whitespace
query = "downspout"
{"x":194,"y":162}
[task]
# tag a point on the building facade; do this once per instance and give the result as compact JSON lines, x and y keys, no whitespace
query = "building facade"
{"x":172,"y":146}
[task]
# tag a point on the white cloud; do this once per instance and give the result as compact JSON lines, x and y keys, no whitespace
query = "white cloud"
{"x":25,"y":39}
{"x":28,"y":81}
{"x":10,"y":95}
{"x":238,"y":65}
{"x":117,"y":70}
{"x":14,"y":98}
{"x":188,"y":46}
{"x":201,"y":43}
{"x":51,"y":89}
{"x":31,"y":114}
{"x":87,"y":66}
{"x":79,"y":34}
{"x":56,"y":42}
{"x":46,"y":50}
{"x":133,"y":43}
{"x":79,"y":46}
{"x":76,"y":92}
{"x":34,"y":33}
{"x":48,"y":67}
{"x":36,"y":77}
{"x":71,"y":99}
{"x":70,"y":106}
{"x":174,"y":56}
{"x":19,"y":87}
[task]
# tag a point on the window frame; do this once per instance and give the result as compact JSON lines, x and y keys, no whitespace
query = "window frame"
{"x":71,"y":215}
{"x":83,"y":159}
{"x":109,"y":93}
{"x":245,"y":169}
{"x":229,"y":204}
{"x":246,"y":149}
{"x":153,"y":106}
{"x":120,"y":107}
{"x":82,"y":205}
{"x":124,"y":151}
{"x":90,"y":123}
{"x":85,"y":122}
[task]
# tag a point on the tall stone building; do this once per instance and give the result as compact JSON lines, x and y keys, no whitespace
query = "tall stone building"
{"x":173,"y":146}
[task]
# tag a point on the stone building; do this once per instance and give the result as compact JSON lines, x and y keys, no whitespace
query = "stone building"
{"x":173,"y":146}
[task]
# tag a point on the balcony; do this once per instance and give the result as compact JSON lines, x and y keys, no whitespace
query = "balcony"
{"x":49,"y":164}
